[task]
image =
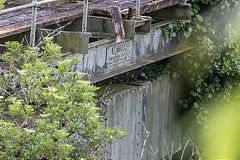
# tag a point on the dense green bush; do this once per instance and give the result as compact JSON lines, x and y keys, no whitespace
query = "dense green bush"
{"x":212,"y":67}
{"x":2,"y":4}
{"x":211,"y":70}
{"x":47,"y":111}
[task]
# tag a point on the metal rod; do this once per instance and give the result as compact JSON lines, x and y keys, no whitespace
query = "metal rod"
{"x":138,"y":8}
{"x":33,"y":23}
{"x":85,"y":13}
{"x":26,"y":6}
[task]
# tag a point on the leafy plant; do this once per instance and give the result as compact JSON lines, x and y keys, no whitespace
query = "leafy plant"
{"x":47,"y":110}
{"x":2,"y":4}
{"x":211,"y":69}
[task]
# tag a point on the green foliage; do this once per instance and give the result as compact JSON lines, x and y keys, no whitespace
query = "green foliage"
{"x":2,"y":4}
{"x":47,"y":110}
{"x":212,"y":68}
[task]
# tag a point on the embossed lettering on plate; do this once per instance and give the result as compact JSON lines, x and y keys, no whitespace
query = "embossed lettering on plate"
{"x":119,"y":53}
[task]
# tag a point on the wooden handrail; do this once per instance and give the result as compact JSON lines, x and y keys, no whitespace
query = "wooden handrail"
{"x":26,"y":6}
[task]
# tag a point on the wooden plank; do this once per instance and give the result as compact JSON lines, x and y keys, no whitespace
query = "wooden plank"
{"x":155,"y":5}
{"x":41,"y":21}
{"x":162,"y":23}
{"x":26,"y":6}
{"x":181,"y":12}
{"x":23,"y":17}
{"x":117,"y":24}
{"x":19,"y":21}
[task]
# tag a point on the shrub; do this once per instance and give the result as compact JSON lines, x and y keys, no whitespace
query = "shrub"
{"x":47,"y":111}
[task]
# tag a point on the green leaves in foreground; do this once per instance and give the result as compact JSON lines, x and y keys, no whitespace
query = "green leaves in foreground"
{"x":46,"y":110}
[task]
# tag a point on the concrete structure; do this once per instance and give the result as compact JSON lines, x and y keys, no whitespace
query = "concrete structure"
{"x":101,"y":52}
{"x":136,"y":106}
{"x":108,"y":59}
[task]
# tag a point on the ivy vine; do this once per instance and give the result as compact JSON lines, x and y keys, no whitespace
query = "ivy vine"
{"x":212,"y":67}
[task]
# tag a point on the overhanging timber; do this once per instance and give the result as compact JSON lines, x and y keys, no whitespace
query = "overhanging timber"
{"x":115,"y":40}
{"x":109,"y":59}
{"x":20,"y":21}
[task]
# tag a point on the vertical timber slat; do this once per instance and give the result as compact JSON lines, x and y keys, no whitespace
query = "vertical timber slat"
{"x":117,"y":24}
{"x":138,"y":6}
{"x":85,"y":13}
{"x":73,"y":42}
{"x":33,"y":24}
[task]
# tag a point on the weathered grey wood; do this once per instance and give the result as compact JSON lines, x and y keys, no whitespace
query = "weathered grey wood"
{"x":130,"y":13}
{"x":145,"y":26}
{"x":155,"y":5}
{"x":85,"y":14}
{"x":10,"y":26}
{"x":117,"y":24}
{"x":75,"y":42}
{"x":104,"y":26}
{"x":129,"y":26}
{"x":162,"y":23}
{"x":102,"y":35}
{"x":58,"y":15}
{"x":94,"y":24}
{"x":33,"y":24}
{"x":138,"y":9}
{"x":177,"y":12}
{"x":26,"y":6}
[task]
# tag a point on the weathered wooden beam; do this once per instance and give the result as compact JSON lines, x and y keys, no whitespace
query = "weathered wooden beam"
{"x":33,"y":24}
{"x":100,"y":12}
{"x":153,"y":6}
{"x":138,"y":8}
{"x":129,"y":27}
{"x":75,"y":42}
{"x":104,"y":27}
{"x":41,"y":21}
{"x":85,"y":14}
{"x":117,"y":24}
{"x":142,"y":24}
{"x":26,"y":6}
{"x":102,"y":35}
{"x":94,"y":24}
{"x":18,"y":24}
{"x":177,"y":13}
{"x":162,"y":23}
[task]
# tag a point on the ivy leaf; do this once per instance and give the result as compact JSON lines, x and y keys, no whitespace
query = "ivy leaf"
{"x":187,"y":34}
{"x":199,"y":18}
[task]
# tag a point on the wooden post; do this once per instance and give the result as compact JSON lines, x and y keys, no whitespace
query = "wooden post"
{"x":117,"y":24}
{"x":33,"y":23}
{"x":138,"y":8}
{"x":85,"y":13}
